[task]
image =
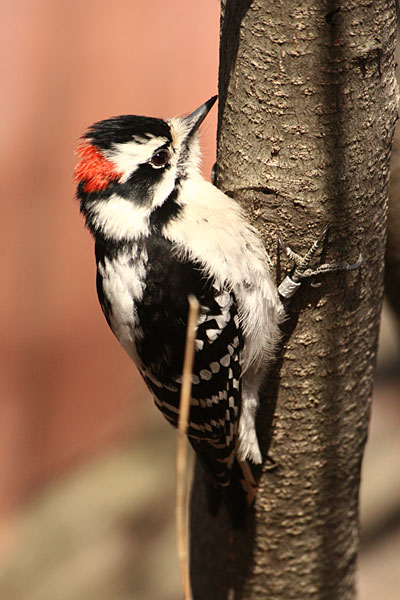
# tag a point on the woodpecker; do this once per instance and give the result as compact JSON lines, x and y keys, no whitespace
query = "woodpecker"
{"x":163,"y":232}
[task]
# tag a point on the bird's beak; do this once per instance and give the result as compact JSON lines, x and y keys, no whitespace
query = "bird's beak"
{"x":195,"y":119}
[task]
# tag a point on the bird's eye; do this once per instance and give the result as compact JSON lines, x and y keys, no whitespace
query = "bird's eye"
{"x":159,"y":159}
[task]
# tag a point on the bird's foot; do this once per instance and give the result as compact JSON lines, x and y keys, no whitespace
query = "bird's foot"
{"x":303,"y":268}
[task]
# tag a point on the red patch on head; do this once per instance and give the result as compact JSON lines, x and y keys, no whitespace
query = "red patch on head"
{"x":94,"y":168}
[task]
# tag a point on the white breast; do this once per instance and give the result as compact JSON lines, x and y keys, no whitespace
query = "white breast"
{"x":214,"y":232}
{"x":123,"y":286}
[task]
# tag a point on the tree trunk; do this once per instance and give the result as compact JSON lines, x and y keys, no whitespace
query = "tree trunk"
{"x":306,"y":117}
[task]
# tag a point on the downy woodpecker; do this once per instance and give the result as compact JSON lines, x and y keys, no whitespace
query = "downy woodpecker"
{"x":163,"y":232}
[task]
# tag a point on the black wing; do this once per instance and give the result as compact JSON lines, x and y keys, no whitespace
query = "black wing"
{"x":216,"y":381}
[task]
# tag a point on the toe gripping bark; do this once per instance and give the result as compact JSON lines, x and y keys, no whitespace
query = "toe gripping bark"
{"x":304,"y":269}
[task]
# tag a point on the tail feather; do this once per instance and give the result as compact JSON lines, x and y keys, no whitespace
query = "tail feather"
{"x":229,"y":479}
{"x":239,"y":495}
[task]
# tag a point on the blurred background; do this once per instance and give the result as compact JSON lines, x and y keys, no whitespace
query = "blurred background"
{"x":87,"y":468}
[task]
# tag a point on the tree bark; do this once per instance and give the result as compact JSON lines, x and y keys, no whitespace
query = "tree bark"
{"x":306,"y":117}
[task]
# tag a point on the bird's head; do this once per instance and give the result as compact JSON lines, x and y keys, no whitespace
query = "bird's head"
{"x":141,"y":160}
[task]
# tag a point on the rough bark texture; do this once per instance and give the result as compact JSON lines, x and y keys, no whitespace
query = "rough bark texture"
{"x":307,"y":111}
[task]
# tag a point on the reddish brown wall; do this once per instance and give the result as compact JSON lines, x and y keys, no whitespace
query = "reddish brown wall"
{"x":66,"y":386}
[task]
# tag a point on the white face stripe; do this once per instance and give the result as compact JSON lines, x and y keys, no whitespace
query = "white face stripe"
{"x":129,"y":155}
{"x":164,"y":188}
{"x":119,"y":218}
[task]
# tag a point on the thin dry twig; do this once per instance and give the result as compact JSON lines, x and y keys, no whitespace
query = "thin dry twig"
{"x":181,"y":456}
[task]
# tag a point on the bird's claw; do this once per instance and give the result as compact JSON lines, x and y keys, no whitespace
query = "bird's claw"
{"x":304,"y":270}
